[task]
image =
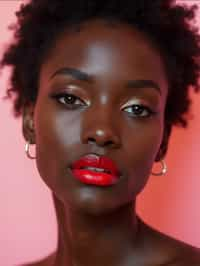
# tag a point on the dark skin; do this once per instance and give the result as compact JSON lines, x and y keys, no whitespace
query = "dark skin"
{"x":99,"y":226}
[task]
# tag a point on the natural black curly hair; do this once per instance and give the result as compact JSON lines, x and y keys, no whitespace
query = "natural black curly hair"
{"x":165,"y":22}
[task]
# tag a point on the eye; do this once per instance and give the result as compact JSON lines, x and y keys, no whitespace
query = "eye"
{"x":68,"y":99}
{"x":138,"y":110}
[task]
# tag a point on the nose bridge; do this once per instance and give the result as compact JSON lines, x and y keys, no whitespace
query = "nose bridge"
{"x":101,"y":126}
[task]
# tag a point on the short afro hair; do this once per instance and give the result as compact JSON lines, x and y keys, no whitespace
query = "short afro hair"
{"x":165,"y":22}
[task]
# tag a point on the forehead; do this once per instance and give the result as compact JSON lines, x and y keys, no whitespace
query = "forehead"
{"x":98,"y":46}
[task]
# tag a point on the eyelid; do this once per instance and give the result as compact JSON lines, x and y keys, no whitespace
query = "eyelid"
{"x":72,"y":86}
{"x":132,"y":102}
{"x":66,"y":93}
{"x":66,"y":87}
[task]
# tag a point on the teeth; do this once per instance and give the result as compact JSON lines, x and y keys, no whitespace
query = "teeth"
{"x":96,"y":169}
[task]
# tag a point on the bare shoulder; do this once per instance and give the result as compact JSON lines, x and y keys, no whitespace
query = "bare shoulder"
{"x":180,"y":253}
{"x":47,"y":261}
{"x":171,"y":251}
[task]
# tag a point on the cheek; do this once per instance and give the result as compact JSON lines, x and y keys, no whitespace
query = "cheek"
{"x":142,"y":147}
{"x":56,"y":140}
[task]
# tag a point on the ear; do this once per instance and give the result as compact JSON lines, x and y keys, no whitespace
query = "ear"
{"x":165,"y":141}
{"x":28,"y":123}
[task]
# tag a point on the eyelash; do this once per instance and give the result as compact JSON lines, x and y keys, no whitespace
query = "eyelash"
{"x":71,"y":106}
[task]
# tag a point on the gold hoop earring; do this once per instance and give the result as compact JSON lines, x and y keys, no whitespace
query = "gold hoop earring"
{"x":27,"y":151}
{"x":163,"y":171}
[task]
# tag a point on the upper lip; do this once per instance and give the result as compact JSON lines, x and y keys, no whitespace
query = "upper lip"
{"x":93,"y":160}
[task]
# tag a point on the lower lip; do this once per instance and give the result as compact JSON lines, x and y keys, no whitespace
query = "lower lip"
{"x":94,"y":178}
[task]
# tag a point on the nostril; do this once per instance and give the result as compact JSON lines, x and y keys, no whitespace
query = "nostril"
{"x":90,"y":140}
{"x":109,"y":142}
{"x":103,"y":143}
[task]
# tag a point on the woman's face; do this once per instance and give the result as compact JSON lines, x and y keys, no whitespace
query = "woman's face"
{"x":119,"y":88}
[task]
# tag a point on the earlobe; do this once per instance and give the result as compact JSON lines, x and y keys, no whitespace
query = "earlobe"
{"x":28,"y":124}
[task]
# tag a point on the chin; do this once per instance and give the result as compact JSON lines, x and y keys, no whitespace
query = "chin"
{"x":93,"y":203}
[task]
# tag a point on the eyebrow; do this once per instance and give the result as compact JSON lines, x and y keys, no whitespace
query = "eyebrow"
{"x":82,"y":76}
{"x":75,"y":73}
{"x":143,"y":83}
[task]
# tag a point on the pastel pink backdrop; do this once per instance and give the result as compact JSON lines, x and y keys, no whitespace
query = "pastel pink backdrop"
{"x":27,"y":218}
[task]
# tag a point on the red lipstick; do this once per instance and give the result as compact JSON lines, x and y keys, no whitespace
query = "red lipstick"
{"x":96,"y":170}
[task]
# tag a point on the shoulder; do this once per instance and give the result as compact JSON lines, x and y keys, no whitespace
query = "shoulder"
{"x":181,"y":253}
{"x":185,"y":255}
{"x":168,"y":250}
{"x":47,"y":261}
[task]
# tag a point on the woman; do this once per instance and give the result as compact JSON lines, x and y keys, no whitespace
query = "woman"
{"x":99,"y":86}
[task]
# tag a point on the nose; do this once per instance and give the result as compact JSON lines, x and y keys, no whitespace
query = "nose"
{"x":101,"y":131}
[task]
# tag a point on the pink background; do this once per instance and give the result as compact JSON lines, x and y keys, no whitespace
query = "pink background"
{"x":27,"y":217}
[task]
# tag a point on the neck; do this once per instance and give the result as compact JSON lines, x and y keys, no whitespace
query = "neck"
{"x":85,"y":239}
